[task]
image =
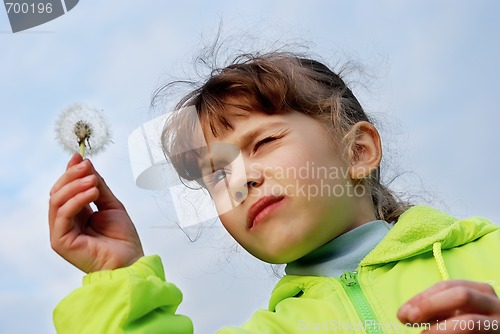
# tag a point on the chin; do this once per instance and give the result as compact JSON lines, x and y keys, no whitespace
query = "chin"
{"x":278,"y":257}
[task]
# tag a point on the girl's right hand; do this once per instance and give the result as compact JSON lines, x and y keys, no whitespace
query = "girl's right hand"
{"x":90,"y":240}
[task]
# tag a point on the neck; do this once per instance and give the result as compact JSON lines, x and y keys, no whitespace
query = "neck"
{"x":342,"y":253}
{"x":366,"y":212}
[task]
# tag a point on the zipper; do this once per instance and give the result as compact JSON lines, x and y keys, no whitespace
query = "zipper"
{"x":369,"y":322}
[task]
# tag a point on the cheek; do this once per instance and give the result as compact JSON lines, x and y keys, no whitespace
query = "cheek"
{"x":224,"y":203}
{"x":233,"y":222}
{"x":307,"y":166}
{"x":288,"y":164}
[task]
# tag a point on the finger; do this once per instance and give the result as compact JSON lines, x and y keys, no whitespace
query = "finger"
{"x":445,"y":299}
{"x":76,"y":168}
{"x":64,"y":222}
{"x":66,"y":193}
{"x":444,"y":285}
{"x":466,"y":323}
{"x":75,"y":159}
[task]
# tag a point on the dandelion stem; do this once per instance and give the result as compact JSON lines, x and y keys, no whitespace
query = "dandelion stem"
{"x":82,"y":149}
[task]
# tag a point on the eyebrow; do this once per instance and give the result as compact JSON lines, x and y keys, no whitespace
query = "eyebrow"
{"x":249,"y":137}
{"x":244,"y":142}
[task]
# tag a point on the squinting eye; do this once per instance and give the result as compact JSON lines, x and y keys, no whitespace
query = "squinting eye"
{"x":215,"y":177}
{"x":264,"y":141}
{"x":219,"y":175}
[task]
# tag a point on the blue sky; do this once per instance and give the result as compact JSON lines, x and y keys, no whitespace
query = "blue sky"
{"x":431,"y":82}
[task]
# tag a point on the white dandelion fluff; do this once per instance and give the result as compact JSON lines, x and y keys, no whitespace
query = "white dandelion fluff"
{"x":82,"y":128}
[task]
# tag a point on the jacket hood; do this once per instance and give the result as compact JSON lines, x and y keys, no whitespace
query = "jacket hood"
{"x":419,"y":228}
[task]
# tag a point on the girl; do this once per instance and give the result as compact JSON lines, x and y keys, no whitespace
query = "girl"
{"x":292,"y":163}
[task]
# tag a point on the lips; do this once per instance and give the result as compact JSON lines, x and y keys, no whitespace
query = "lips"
{"x":260,"y":209}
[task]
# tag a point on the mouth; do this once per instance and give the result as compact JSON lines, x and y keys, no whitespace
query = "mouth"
{"x":262,"y":208}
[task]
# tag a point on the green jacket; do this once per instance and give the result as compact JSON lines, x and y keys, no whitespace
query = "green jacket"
{"x":425,"y":246}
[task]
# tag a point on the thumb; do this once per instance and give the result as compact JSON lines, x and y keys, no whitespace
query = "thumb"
{"x":106,"y":200}
{"x":75,"y":159}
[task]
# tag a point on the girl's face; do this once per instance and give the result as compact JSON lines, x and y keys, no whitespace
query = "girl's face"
{"x":281,"y":188}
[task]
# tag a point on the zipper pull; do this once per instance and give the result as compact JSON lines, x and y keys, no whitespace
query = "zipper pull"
{"x":348,"y":278}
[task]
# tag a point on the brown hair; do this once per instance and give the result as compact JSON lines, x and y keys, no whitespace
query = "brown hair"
{"x":276,"y":82}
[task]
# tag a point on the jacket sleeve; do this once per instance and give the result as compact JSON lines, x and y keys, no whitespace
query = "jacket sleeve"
{"x":135,"y":299}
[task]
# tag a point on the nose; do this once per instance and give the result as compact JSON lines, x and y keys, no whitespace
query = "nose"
{"x":240,"y":195}
{"x":243,"y":180}
{"x":244,"y":177}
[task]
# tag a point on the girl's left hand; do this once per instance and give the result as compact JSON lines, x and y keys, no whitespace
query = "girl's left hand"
{"x":454,"y":306}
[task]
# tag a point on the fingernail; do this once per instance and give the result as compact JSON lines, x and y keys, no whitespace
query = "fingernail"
{"x":413,"y":314}
{"x":81,"y":165}
{"x":404,"y":309}
{"x":88,"y":179}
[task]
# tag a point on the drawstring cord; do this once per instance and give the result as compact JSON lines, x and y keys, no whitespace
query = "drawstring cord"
{"x":436,"y":251}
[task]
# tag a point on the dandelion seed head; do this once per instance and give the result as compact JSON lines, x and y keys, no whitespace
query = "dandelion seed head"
{"x":81,"y":123}
{"x":83,"y":131}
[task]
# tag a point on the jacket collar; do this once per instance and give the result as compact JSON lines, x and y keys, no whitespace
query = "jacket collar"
{"x":417,"y":230}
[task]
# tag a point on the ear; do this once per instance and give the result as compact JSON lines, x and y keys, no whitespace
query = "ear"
{"x":365,"y":150}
